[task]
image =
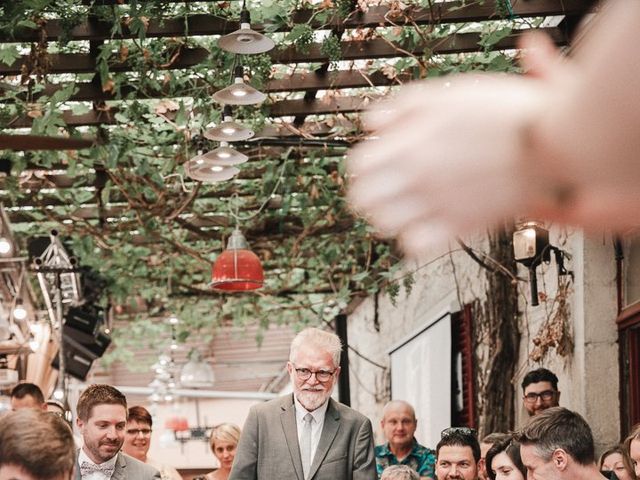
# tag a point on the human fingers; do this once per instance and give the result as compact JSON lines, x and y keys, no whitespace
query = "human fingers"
{"x":409,"y":100}
{"x":540,"y":56}
{"x":425,"y":236}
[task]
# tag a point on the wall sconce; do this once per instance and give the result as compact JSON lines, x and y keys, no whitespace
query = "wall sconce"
{"x":531,"y":247}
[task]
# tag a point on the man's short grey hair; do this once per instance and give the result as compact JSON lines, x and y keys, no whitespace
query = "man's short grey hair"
{"x":399,"y":472}
{"x":317,"y":338}
{"x":558,"y":427}
{"x":392,"y":404}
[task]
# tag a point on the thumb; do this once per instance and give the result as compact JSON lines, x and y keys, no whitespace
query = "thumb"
{"x":540,"y":56}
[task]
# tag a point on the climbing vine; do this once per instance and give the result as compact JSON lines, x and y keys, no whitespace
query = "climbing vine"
{"x":154,"y":237}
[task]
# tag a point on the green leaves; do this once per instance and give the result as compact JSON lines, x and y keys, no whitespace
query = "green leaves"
{"x":301,"y":35}
{"x":9,"y":54}
{"x":491,"y":38}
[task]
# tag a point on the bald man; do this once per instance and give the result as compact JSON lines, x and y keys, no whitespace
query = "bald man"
{"x":399,"y":426}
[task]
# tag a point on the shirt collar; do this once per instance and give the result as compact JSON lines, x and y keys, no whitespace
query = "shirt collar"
{"x":83,"y":457}
{"x":414,"y":446}
{"x":318,"y":414}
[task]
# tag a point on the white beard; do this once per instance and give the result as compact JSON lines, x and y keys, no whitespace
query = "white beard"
{"x":312,"y":400}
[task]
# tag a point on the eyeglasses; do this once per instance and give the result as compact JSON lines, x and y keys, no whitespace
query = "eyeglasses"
{"x":145,"y":432}
{"x":545,"y":396}
{"x":458,"y":431}
{"x":321,"y":375}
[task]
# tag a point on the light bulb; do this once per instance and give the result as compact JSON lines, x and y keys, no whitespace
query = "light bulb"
{"x":239,"y":92}
{"x":19,"y":312}
{"x":217,"y":168}
{"x":36,"y":328}
{"x":34,"y":345}
{"x":223,"y":154}
{"x":244,"y":38}
{"x":199,"y":161}
{"x":173,"y":346}
{"x":228,"y":130}
{"x":58,"y":394}
{"x":173,"y":320}
{"x":5,"y":246}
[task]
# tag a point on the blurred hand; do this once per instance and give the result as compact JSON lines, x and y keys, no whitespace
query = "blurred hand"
{"x":454,"y":155}
{"x":450,"y":155}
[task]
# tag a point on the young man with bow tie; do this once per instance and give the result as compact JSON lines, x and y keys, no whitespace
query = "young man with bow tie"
{"x":102,"y":419}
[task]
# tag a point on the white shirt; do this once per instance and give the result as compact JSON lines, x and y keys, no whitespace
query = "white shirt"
{"x":316,"y":425}
{"x":82,"y":457}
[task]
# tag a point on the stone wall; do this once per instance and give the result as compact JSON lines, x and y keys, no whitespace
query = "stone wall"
{"x":588,"y":373}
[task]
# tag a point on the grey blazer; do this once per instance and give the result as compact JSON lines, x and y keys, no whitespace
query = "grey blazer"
{"x":269,"y":450}
{"x":128,"y":468}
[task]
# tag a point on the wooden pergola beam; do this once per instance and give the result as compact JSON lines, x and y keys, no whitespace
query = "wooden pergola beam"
{"x":376,"y":16}
{"x":351,"y":50}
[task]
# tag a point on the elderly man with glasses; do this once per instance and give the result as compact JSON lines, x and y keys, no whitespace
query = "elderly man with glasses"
{"x":137,"y":441}
{"x":307,"y":435}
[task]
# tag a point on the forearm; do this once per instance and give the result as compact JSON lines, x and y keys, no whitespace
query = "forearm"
{"x":591,"y":130}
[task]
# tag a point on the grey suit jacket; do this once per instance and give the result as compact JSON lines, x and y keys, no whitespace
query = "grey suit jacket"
{"x":269,"y":450}
{"x":128,"y":468}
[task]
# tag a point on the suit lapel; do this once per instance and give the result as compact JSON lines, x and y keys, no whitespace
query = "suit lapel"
{"x":329,"y":431}
{"x":290,"y":429}
{"x":119,"y":470}
{"x":78,"y":474}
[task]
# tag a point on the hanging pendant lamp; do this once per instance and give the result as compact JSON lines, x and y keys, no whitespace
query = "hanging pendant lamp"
{"x":245,"y":41}
{"x":228,"y":130}
{"x":225,"y":156}
{"x":206,"y":170}
{"x":239,"y":93}
{"x":237,"y":269}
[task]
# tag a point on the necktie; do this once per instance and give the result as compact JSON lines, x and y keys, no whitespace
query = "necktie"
{"x":87,"y":468}
{"x":305,"y":444}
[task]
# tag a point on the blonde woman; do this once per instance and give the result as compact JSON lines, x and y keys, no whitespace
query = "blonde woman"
{"x":223,"y":442}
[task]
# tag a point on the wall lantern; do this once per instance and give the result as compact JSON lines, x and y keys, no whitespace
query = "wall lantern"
{"x":531,"y":247}
{"x":237,"y":269}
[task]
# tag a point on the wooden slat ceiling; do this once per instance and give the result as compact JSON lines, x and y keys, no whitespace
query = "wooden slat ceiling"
{"x":304,"y":88}
{"x":207,"y":25}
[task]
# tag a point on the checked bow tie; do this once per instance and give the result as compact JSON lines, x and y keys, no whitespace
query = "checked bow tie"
{"x":87,"y":468}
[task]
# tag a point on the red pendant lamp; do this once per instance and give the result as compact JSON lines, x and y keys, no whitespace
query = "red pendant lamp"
{"x":237,"y":269}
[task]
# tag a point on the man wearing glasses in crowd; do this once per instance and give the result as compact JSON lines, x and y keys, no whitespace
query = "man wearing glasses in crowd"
{"x":457,"y":454}
{"x":540,"y":391}
{"x":307,"y":435}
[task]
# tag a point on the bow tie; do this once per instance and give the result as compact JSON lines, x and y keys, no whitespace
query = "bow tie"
{"x":87,"y":468}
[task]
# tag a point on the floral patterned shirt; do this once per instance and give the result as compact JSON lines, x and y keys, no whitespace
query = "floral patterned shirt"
{"x":421,"y":459}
